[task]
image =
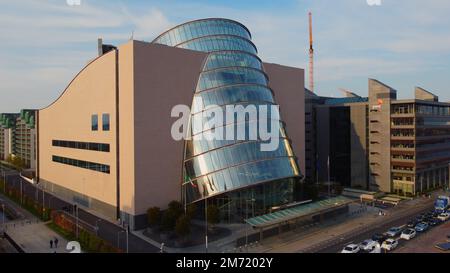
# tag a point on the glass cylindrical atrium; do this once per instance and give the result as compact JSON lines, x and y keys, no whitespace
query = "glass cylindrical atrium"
{"x":234,"y":174}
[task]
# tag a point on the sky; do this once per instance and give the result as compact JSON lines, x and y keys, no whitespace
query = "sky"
{"x":403,"y":43}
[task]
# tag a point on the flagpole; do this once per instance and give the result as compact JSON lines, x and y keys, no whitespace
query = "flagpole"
{"x":329,"y":182}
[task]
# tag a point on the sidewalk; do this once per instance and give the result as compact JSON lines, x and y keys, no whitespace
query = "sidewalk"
{"x":35,"y":238}
{"x":30,"y":233}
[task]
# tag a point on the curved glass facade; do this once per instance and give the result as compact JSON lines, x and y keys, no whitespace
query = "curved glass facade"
{"x":232,"y":169}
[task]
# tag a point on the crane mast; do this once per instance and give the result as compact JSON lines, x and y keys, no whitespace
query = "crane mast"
{"x":311,"y":55}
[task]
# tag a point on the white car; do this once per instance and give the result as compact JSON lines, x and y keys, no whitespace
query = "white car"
{"x":367,"y":245}
{"x":376,"y":249}
{"x":444,"y":216}
{"x":389,"y":244}
{"x":352,"y":248}
{"x":408,"y":234}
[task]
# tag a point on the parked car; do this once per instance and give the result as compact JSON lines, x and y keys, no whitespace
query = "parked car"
{"x":412,"y":223}
{"x":389,"y":244}
{"x":422,"y":227}
{"x":433,"y":222}
{"x":436,"y":214}
{"x":394,"y":232}
{"x":379,"y":237}
{"x":376,"y":248}
{"x":367,"y":245}
{"x":408,"y":234}
{"x":351,"y":248}
{"x":444,"y":216}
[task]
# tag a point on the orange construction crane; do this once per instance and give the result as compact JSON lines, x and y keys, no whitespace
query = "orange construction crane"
{"x":311,"y":55}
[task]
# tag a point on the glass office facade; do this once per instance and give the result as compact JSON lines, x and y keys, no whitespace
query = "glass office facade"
{"x":234,"y":174}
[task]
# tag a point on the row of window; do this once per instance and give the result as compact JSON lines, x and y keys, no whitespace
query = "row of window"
{"x":102,"y":147}
{"x":202,"y":28}
{"x":232,"y":95}
{"x":240,"y":176}
{"x":233,"y":155}
{"x":82,"y":164}
{"x":231,"y":58}
{"x":228,"y":76}
{"x":220,"y":43}
{"x":105,"y":122}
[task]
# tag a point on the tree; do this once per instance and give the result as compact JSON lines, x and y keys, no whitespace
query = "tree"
{"x":171,"y":215}
{"x":153,"y":216}
{"x":191,"y":210}
{"x":176,"y":208}
{"x":183,"y":226}
{"x":213,"y":215}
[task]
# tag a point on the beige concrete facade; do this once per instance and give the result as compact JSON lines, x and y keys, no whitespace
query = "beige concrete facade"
{"x":91,"y":92}
{"x":380,"y":97}
{"x":288,"y":84}
{"x":137,"y":84}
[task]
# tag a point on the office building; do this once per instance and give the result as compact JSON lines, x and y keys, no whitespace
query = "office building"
{"x":381,"y":143}
{"x":106,"y":142}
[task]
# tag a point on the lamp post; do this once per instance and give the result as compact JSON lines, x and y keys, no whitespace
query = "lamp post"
{"x":118,"y":238}
{"x":96,"y":226}
{"x":75,"y":213}
{"x":21,"y":190}
{"x":206,"y":225}
{"x":253,"y":214}
{"x":3,"y":216}
{"x":127,"y":232}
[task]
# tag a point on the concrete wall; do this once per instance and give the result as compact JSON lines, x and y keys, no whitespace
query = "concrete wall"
{"x":380,"y":97}
{"x":359,"y":146}
{"x":163,"y":78}
{"x":288,"y":84}
{"x":92,"y":91}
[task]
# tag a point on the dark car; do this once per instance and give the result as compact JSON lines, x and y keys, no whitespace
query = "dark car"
{"x":433,"y":222}
{"x":380,"y":238}
{"x":412,"y":223}
{"x":420,"y":218}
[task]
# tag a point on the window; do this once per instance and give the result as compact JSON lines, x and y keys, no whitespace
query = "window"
{"x":105,"y":120}
{"x":82,"y":164}
{"x":82,"y":145}
{"x":94,"y":123}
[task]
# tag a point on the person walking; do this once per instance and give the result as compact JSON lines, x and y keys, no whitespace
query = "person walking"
{"x":51,"y":243}
{"x":56,"y":242}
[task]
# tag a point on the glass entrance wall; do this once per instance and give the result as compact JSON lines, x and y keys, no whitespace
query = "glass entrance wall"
{"x":231,"y":170}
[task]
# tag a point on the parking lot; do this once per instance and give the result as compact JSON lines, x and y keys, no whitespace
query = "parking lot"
{"x":426,"y":229}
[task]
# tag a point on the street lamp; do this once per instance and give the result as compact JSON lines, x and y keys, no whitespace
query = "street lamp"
{"x":118,"y":237}
{"x":3,"y":212}
{"x":246,"y":211}
{"x":206,"y":225}
{"x":96,"y":226}
{"x":75,"y":213}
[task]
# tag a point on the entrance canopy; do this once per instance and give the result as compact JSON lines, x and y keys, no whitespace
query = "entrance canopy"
{"x":298,"y":212}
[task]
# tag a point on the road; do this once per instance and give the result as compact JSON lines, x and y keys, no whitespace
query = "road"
{"x":336,"y":246}
{"x":108,"y":231}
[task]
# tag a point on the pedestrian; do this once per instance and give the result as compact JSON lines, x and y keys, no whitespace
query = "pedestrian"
{"x":51,"y":243}
{"x":56,"y":242}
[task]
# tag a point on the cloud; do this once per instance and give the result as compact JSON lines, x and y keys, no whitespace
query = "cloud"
{"x":45,"y":43}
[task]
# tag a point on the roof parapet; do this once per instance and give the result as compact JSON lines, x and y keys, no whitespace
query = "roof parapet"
{"x":422,"y":94}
